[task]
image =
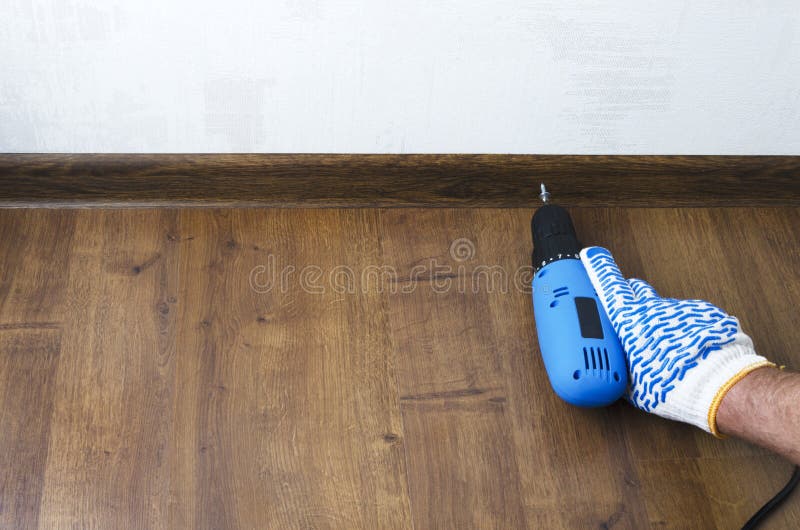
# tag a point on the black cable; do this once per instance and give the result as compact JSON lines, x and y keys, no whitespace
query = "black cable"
{"x":779,"y":497}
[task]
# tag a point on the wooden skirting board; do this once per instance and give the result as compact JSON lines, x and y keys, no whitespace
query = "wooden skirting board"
{"x":351,"y":180}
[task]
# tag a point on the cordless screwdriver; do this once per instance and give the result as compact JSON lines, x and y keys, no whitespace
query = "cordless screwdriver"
{"x":582,"y":354}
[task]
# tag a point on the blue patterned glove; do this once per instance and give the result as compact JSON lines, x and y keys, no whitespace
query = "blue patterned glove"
{"x":683,"y":355}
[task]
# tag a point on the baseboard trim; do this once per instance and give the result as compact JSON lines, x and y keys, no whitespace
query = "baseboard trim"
{"x":352,"y":180}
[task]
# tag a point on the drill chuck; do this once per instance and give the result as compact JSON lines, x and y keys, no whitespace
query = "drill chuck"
{"x":554,"y":236}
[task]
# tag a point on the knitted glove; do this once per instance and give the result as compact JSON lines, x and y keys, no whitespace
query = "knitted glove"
{"x":683,"y":355}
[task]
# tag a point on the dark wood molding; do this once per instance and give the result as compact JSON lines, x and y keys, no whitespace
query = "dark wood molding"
{"x":323,"y":180}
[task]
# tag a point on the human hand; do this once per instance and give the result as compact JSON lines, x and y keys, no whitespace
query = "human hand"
{"x":683,"y":355}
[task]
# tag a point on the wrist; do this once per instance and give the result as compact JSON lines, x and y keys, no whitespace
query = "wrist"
{"x":701,"y":390}
{"x":725,"y":389}
{"x":742,"y":402}
{"x":762,"y":409}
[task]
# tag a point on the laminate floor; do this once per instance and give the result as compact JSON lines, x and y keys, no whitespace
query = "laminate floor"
{"x":355,"y":368}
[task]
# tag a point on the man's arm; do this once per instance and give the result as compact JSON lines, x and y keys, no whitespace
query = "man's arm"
{"x":764,"y":408}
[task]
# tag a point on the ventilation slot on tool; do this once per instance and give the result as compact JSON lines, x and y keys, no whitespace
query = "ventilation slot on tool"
{"x":561,"y":291}
{"x":597,"y":359}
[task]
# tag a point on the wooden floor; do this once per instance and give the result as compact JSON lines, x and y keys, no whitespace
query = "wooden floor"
{"x":153,"y":373}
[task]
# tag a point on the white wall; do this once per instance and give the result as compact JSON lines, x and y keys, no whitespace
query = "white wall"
{"x":400,"y":76}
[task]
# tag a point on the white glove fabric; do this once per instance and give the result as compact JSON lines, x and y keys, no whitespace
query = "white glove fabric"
{"x":683,"y":355}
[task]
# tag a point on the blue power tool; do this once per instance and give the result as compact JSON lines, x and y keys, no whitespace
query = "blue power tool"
{"x":581,"y":352}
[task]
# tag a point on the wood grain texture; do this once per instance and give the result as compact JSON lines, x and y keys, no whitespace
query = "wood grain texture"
{"x":27,"y":367}
{"x":149,"y":380}
{"x":396,"y":180}
{"x":108,"y":453}
{"x":287,"y":411}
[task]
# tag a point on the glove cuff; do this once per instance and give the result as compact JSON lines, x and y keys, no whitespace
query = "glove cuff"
{"x":697,"y":399}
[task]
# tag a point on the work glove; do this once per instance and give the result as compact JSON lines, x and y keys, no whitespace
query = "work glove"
{"x":683,"y":355}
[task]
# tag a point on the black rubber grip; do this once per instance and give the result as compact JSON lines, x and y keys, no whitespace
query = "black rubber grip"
{"x":554,"y":236}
